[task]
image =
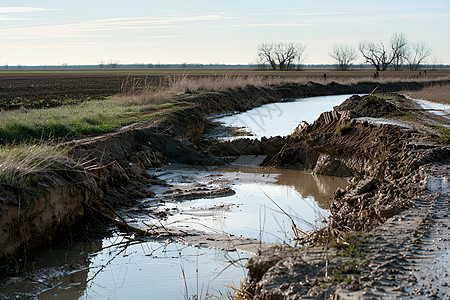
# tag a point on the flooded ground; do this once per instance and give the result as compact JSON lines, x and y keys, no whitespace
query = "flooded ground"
{"x":123,"y":267}
{"x":238,"y":200}
{"x":264,"y":205}
{"x":120,"y":267}
{"x":436,"y":108}
{"x":280,"y":118}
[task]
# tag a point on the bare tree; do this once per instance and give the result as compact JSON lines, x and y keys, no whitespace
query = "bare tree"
{"x":380,"y":56}
{"x":417,"y":54}
{"x":399,"y":42}
{"x":280,"y":55}
{"x":266,"y":54}
{"x":113,"y":63}
{"x":344,"y":55}
{"x":375,"y":54}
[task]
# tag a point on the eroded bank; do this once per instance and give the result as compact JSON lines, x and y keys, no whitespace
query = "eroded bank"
{"x":118,"y":160}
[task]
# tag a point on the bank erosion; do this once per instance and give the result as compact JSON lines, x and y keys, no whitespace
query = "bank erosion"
{"x":61,"y":188}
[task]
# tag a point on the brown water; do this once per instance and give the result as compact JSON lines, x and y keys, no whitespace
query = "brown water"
{"x":260,"y":206}
{"x":121,"y":267}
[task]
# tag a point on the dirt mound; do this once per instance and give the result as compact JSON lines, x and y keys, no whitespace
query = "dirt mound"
{"x":338,"y":145}
{"x":388,"y":168}
{"x":367,"y":106}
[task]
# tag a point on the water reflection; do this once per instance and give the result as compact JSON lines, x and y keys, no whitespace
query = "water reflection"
{"x":260,"y":206}
{"x":60,"y":270}
{"x":160,"y":270}
{"x":121,"y":267}
{"x":281,"y":118}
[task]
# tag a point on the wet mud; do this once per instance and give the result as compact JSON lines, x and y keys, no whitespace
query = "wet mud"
{"x":398,"y":201}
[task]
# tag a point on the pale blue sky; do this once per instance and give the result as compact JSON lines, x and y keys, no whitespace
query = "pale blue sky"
{"x":135,"y":31}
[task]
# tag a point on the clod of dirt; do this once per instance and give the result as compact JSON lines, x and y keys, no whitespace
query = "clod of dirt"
{"x":368,"y":106}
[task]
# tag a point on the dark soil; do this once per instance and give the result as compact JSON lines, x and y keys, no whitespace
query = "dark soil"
{"x":40,"y":90}
{"x":37,"y":90}
{"x":372,"y":106}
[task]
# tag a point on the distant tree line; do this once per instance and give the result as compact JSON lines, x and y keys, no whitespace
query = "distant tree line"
{"x":399,"y":54}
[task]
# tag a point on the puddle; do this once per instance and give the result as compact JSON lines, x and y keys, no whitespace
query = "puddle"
{"x":264,"y":204}
{"x":382,"y":121}
{"x":119,"y":268}
{"x":281,"y":118}
{"x":439,"y":109}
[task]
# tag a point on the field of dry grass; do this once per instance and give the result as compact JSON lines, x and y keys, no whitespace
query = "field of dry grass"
{"x":145,"y":88}
{"x":182,"y":82}
{"x":44,"y":89}
{"x":437,"y":93}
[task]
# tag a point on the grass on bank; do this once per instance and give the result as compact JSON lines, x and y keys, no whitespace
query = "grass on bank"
{"x":439,"y":93}
{"x":90,"y":117}
{"x":443,"y":133}
{"x":21,"y":165}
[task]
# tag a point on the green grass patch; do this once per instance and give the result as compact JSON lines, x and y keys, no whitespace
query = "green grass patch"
{"x":344,"y":273}
{"x":444,"y":133}
{"x":353,"y":251}
{"x":400,"y":113}
{"x":90,"y":117}
{"x":344,"y":128}
{"x":352,"y":244}
{"x":405,"y":114}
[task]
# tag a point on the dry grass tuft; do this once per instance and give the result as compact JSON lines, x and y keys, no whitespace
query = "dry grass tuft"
{"x":437,"y":93}
{"x":145,"y":91}
{"x":22,"y":164}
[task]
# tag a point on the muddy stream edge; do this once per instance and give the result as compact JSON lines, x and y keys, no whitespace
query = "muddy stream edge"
{"x":121,"y":159}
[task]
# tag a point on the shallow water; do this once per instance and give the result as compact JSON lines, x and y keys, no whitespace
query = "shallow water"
{"x":264,"y":206}
{"x":121,"y":267}
{"x":283,"y":117}
{"x":439,"y":109}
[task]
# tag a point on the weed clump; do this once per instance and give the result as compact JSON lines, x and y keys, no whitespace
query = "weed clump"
{"x":344,"y":128}
{"x":23,"y":166}
{"x":444,"y":133}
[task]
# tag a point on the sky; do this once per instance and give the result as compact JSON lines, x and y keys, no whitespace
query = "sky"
{"x":71,"y":32}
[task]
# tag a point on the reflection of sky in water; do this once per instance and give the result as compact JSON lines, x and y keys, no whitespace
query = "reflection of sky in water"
{"x":282,"y":118}
{"x":441,"y":109}
{"x":254,"y":211}
{"x":153,"y":270}
{"x":253,"y":214}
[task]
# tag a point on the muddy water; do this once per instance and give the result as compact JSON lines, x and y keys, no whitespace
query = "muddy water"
{"x":123,"y":267}
{"x":119,"y":266}
{"x":264,"y":205}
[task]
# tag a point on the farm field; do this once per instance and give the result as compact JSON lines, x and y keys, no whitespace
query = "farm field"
{"x":45,"y":88}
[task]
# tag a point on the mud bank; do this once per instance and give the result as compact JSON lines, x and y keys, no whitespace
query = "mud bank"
{"x":389,"y":165}
{"x":114,"y":164}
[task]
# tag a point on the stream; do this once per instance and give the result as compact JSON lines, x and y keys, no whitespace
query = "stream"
{"x":257,"y":203}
